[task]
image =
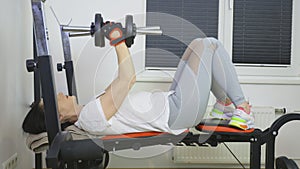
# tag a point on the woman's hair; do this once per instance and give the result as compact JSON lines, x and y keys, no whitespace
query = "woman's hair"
{"x":34,"y":122}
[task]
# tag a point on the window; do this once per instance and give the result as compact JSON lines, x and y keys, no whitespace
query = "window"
{"x":262,"y":32}
{"x":191,"y":18}
{"x":261,"y":36}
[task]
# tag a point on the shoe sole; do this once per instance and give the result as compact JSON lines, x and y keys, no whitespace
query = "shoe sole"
{"x":219,"y":115}
{"x":240,"y":123}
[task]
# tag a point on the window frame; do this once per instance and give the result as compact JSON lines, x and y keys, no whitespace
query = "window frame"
{"x":262,"y":74}
{"x":261,"y":69}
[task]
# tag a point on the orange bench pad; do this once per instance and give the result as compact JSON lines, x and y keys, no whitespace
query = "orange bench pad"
{"x":222,"y":129}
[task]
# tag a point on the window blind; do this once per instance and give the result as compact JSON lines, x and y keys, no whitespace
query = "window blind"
{"x":262,"y":31}
{"x":181,"y":21}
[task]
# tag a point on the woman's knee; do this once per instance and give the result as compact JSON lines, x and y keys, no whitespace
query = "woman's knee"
{"x":213,"y":42}
{"x":207,"y":42}
{"x":199,"y":45}
{"x":194,"y":47}
{"x":196,"y":42}
{"x":212,"y":39}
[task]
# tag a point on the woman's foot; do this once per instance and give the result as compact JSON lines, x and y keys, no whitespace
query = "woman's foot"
{"x":242,"y":117}
{"x":222,"y":111}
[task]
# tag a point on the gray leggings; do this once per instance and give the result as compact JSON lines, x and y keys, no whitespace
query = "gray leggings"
{"x":205,"y":66}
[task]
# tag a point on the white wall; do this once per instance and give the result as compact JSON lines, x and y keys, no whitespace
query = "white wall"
{"x":15,"y":86}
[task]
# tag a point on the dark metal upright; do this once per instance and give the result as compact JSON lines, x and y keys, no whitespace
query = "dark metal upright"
{"x":43,"y":75}
{"x":37,"y":97}
{"x":255,"y":155}
{"x":44,"y":64}
{"x":270,"y":152}
{"x":69,"y":68}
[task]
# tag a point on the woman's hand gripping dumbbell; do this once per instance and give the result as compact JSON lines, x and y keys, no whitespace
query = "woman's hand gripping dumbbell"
{"x":115,"y":33}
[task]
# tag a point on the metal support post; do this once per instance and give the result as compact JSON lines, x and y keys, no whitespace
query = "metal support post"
{"x":255,"y":155}
{"x":69,"y":68}
{"x":38,"y":161}
{"x":45,"y":71}
{"x":270,"y":151}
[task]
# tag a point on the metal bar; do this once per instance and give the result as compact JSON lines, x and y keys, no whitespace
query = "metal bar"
{"x":69,"y":69}
{"x":66,"y":45}
{"x":38,"y":161}
{"x":80,"y":30}
{"x":149,"y":27}
{"x":149,"y":31}
{"x":255,"y":155}
{"x":45,"y":71}
{"x":72,"y":150}
{"x":40,"y":29}
{"x":75,"y":28}
{"x":270,"y":151}
{"x":79,"y":34}
{"x":279,"y":122}
{"x":53,"y":158}
{"x":49,"y":97}
{"x":37,"y":97}
{"x":70,"y":78}
{"x":36,"y":74}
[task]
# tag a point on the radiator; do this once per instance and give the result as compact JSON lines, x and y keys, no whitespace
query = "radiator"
{"x":264,"y":116}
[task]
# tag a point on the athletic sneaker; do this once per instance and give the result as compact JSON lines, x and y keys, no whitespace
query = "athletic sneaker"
{"x":222,"y":111}
{"x":241,"y":119}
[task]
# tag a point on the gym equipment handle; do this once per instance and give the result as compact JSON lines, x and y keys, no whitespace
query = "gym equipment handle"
{"x":68,"y":28}
{"x":84,"y":31}
{"x":153,"y":30}
{"x":95,"y":30}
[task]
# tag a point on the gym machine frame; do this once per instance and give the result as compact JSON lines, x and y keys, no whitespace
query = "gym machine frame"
{"x":64,"y":152}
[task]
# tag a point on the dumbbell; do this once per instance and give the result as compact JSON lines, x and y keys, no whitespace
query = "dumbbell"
{"x":130,"y":27}
{"x":99,"y":35}
{"x":95,"y":30}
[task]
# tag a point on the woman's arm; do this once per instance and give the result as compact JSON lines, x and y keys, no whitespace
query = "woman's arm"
{"x":117,"y":91}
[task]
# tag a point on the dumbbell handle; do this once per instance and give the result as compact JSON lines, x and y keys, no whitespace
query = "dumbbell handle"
{"x":152,"y":30}
{"x":76,"y":28}
{"x":83,"y":30}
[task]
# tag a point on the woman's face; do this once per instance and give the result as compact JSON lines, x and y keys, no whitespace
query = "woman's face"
{"x":66,"y":104}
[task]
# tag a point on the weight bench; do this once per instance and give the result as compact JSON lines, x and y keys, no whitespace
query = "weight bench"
{"x":66,"y":153}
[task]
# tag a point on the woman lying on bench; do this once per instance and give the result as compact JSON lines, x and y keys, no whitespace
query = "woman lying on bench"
{"x":205,"y":66}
